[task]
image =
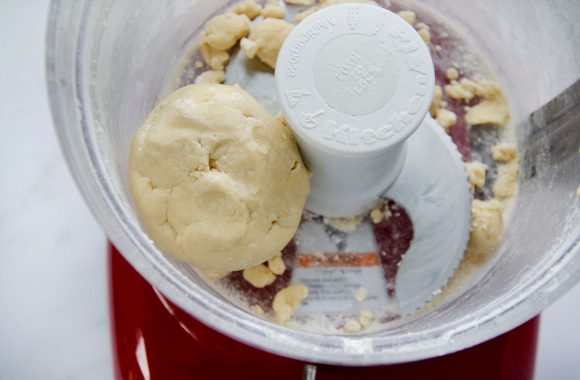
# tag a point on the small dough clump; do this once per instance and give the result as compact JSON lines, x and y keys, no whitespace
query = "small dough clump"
{"x":267,"y":37}
{"x":504,"y":152}
{"x":446,"y":118}
{"x":249,"y":47}
{"x":214,"y":275}
{"x":459,"y":90}
{"x":436,"y":101}
{"x":300,"y":2}
{"x":248,"y":8}
{"x":360,"y":294}
{"x":287,"y":300}
{"x":506,"y":182}
{"x":493,"y":109}
{"x":494,"y":112}
{"x":221,"y":34}
{"x":224,"y":31}
{"x":259,"y":276}
{"x":476,"y":174}
{"x":425,"y":35}
{"x":365,"y":318}
{"x":352,"y":326}
{"x":451,"y":73}
{"x":486,"y":228}
{"x":217,"y":181}
{"x":277,"y":265}
{"x":376,"y":215}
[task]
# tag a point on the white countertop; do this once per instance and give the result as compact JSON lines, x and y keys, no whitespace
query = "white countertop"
{"x":54,"y":321}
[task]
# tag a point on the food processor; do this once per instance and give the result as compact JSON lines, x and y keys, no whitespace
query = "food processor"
{"x":110,"y":63}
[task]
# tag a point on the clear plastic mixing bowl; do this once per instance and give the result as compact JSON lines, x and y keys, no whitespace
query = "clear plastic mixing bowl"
{"x":110,"y":62}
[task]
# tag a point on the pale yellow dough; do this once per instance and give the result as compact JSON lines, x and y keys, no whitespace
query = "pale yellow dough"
{"x":408,"y":16}
{"x":476,"y":174}
{"x":486,"y":228}
{"x":504,"y":152}
{"x":287,"y":301}
{"x":273,"y":11}
{"x":266,"y":39}
{"x":506,"y":182}
{"x":222,"y":33}
{"x":211,"y":76}
{"x":217,"y":182}
{"x":259,"y":276}
{"x":249,"y":8}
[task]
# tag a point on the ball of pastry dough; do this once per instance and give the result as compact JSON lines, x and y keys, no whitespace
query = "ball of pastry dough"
{"x":217,"y":181}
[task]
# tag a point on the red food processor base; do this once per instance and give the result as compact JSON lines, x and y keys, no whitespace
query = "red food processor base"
{"x":151,"y":342}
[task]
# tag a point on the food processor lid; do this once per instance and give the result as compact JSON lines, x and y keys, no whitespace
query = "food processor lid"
{"x":354,"y":79}
{"x":355,"y":82}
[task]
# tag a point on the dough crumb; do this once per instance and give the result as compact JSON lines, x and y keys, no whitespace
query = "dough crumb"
{"x":273,"y":11}
{"x":277,"y":265}
{"x":259,"y":276}
{"x":504,"y":152}
{"x":214,"y":275}
{"x":302,"y":15}
{"x":248,"y":8}
{"x":198,"y":64}
{"x":361,"y":294}
{"x":494,"y":112}
{"x":257,"y":309}
{"x":493,"y":109}
{"x":211,"y":76}
{"x":476,"y":174}
{"x":222,"y":33}
{"x":578,"y":191}
{"x":436,"y":101}
{"x":486,"y":229}
{"x":458,"y":91}
{"x":216,"y":59}
{"x":452,"y":73}
{"x":344,"y":224}
{"x":505,"y":185}
{"x":352,"y":326}
{"x":488,"y":89}
{"x":446,"y":118}
{"x":422,"y":25}
{"x":249,"y":47}
{"x":425,"y":35}
{"x":287,"y":301}
{"x":326,"y":3}
{"x":365,"y":318}
{"x":409,"y":16}
{"x":269,"y":35}
{"x":376,"y":215}
{"x":192,"y":192}
{"x":469,"y":85}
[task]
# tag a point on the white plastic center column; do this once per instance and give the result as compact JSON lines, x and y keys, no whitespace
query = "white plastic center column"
{"x":354,"y":82}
